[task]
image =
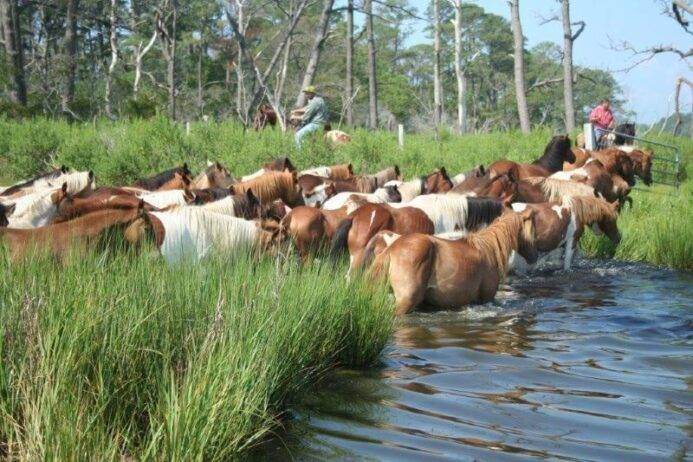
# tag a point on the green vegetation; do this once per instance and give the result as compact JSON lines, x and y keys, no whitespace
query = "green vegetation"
{"x":657,"y":230}
{"x":121,"y":355}
{"x":124,"y":356}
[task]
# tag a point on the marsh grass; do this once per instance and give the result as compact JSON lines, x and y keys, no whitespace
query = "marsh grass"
{"x":120,"y":355}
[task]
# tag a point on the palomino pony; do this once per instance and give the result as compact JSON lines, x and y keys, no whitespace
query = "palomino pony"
{"x":174,"y":178}
{"x":272,"y":186}
{"x":563,"y":223}
{"x":59,"y":239}
{"x":449,"y":274}
{"x":214,"y":176}
{"x":556,"y":153}
{"x":192,"y":233}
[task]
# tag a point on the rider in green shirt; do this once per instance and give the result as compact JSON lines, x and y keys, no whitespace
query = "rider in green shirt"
{"x":315,"y":116}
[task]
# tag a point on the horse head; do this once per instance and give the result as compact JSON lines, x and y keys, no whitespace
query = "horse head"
{"x":437,"y":182}
{"x":392,"y":193}
{"x":608,"y":225}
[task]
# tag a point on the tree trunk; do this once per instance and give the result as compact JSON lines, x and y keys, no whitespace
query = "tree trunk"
{"x":320,"y":37}
{"x":349,"y":83}
{"x":460,"y":73}
{"x":437,"y":86}
{"x":200,"y":87}
{"x":521,"y":97}
{"x":70,"y":55}
{"x":139,"y":55}
{"x":240,"y":78}
{"x":171,"y":71}
{"x":568,"y":99}
{"x":14,"y":52}
{"x":281,"y":79}
{"x":113,"y":41}
{"x":372,"y":81}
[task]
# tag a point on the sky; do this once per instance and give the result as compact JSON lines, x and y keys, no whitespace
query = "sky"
{"x":649,"y":88}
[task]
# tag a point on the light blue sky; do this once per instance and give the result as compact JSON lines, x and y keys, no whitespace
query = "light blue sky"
{"x":649,"y":87}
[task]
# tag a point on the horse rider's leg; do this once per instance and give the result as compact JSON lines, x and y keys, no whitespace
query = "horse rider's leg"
{"x":305,"y":131}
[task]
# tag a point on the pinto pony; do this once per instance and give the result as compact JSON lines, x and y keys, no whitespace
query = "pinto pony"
{"x":214,"y":176}
{"x":449,"y":274}
{"x":175,"y":178}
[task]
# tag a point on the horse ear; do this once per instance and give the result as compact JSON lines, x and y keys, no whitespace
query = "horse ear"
{"x":350,"y":168}
{"x":64,"y":188}
{"x":219,"y":166}
{"x":443,"y":171}
{"x":231,"y":190}
{"x":64,"y":168}
{"x":511,"y":176}
{"x":250,"y":196}
{"x":91,"y":176}
{"x":397,"y":171}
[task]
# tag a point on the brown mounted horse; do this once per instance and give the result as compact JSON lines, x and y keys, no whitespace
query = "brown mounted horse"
{"x":450,"y":274}
{"x":556,"y":153}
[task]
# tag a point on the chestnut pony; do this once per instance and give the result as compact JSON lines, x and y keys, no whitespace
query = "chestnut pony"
{"x":169,"y":179}
{"x":556,"y":153}
{"x":449,"y":274}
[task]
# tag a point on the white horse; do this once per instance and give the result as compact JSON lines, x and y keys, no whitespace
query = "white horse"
{"x":448,"y":212}
{"x":164,"y":199}
{"x":194,"y":233}
{"x":409,"y":189}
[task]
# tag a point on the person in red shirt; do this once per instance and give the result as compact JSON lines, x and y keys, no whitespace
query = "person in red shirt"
{"x":602,"y":118}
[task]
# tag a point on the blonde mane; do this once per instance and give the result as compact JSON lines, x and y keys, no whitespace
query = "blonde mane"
{"x":268,"y":187}
{"x":497,"y":241}
{"x":555,"y":189}
{"x":340,"y":172}
{"x":589,"y":209}
{"x":76,"y":182}
{"x":34,"y":210}
{"x":448,"y":212}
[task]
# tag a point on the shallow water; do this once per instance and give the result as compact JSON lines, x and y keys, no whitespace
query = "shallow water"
{"x":591,"y":364}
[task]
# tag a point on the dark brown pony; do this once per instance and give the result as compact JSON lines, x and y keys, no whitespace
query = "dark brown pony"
{"x":60,"y":238}
{"x":205,"y":196}
{"x":556,"y":153}
{"x":452,"y":273}
{"x":168,"y":179}
{"x":642,"y":164}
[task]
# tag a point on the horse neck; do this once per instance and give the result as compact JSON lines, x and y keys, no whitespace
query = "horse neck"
{"x":497,"y":241}
{"x":96,"y":222}
{"x":551,"y":160}
{"x":586,"y":210}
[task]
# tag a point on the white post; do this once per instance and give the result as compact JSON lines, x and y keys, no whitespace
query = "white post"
{"x":589,"y":137}
{"x":400,"y":136}
{"x":187,"y":128}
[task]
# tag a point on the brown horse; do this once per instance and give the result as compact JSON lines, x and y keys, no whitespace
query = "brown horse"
{"x":272,"y":186}
{"x":368,"y":183}
{"x":593,"y":173}
{"x":59,"y":239}
{"x":205,"y":196}
{"x":27,"y":186}
{"x":264,"y":116}
{"x":437,"y":181}
{"x":449,"y":274}
{"x":72,"y":206}
{"x":642,"y":164}
{"x":563,"y":223}
{"x":175,"y":178}
{"x":214,"y":176}
{"x":310,"y":228}
{"x":582,"y":155}
{"x":556,"y":153}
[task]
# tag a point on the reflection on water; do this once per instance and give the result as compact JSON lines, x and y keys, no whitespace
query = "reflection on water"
{"x":591,"y":364}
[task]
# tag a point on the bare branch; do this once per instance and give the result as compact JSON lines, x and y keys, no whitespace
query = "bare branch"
{"x":582,"y":25}
{"x":647,"y":54}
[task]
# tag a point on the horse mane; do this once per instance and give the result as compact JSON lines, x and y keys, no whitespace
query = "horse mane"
{"x":36,"y":204}
{"x":627,"y":128}
{"x":554,"y":153}
{"x":53,"y":174}
{"x":385,"y":175}
{"x":497,"y":241}
{"x":158,"y":180}
{"x":267,"y":187}
{"x":555,"y":190}
{"x":481,"y":211}
{"x":76,"y":182}
{"x":589,"y":209}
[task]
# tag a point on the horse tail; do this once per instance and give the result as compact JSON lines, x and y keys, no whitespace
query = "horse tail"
{"x":375,"y":247}
{"x":340,"y":238}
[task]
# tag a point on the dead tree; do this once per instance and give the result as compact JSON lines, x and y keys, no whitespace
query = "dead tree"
{"x":168,"y":48}
{"x":519,"y":59}
{"x":69,"y":56}
{"x":372,"y":81}
{"x":113,"y":42}
{"x":349,"y":81}
{"x":320,"y":36}
{"x":437,"y":84}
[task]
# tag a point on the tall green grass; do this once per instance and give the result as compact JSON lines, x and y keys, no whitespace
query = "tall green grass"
{"x":123,"y":356}
{"x":657,"y":230}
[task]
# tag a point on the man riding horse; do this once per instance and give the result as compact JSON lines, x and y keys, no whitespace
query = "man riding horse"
{"x":313,"y":117}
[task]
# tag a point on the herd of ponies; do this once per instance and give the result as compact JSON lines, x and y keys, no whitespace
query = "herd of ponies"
{"x":439,"y":240}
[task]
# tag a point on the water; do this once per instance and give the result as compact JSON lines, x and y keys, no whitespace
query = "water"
{"x":591,"y":364}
